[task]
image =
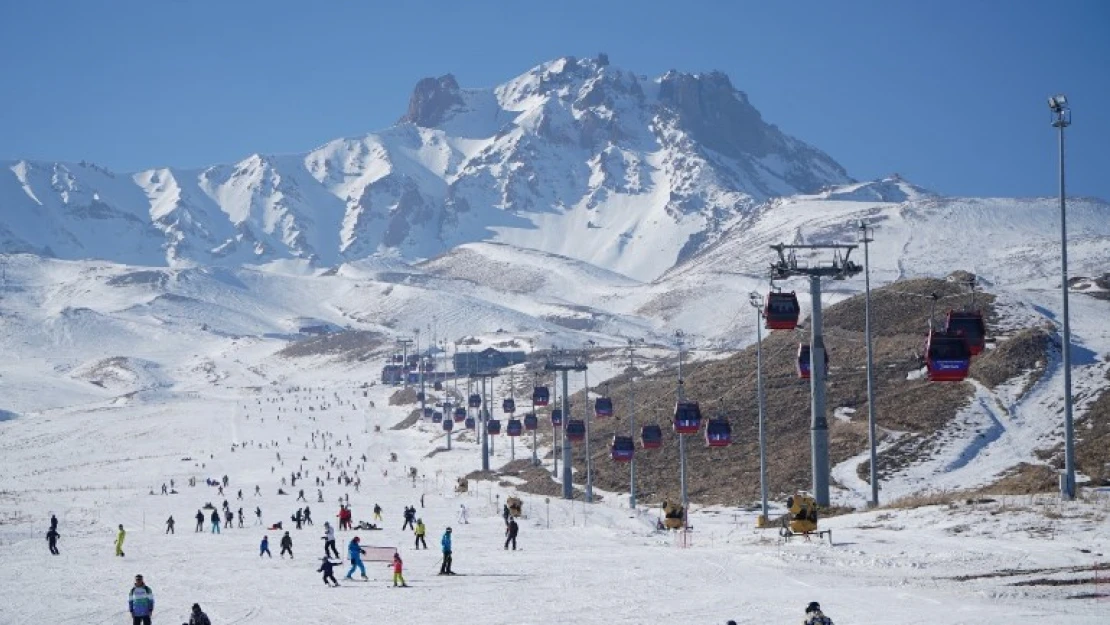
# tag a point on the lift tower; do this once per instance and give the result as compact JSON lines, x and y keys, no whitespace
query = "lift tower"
{"x":565,"y":362}
{"x":840,"y":268}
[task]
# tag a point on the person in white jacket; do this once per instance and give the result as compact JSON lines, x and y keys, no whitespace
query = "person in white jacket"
{"x":462,"y":513}
{"x":329,"y":541}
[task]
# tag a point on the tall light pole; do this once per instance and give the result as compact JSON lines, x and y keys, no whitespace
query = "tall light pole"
{"x":756,"y":300}
{"x":632,"y":420}
{"x":1061,"y":119}
{"x":865,"y":237}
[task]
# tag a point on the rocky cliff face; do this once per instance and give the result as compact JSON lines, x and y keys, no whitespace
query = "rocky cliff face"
{"x":575,"y":157}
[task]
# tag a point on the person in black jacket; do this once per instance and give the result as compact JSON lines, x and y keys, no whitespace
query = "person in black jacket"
{"x":287,"y":545}
{"x":326,"y":567}
{"x":198,"y":617}
{"x":510,"y":533}
{"x":200,"y":521}
{"x":52,"y":537}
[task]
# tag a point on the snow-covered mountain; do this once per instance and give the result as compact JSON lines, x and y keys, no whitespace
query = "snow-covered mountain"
{"x":574,"y":157}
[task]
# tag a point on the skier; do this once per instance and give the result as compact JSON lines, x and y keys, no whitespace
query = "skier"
{"x":329,"y":541}
{"x":326,"y":567}
{"x":462,"y":514}
{"x":398,"y":567}
{"x":140,"y":602}
{"x":410,"y":514}
{"x":420,"y":530}
{"x":300,"y":496}
{"x":257,"y":491}
{"x":505,"y":513}
{"x":169,"y":525}
{"x":445,"y":544}
{"x":287,"y":545}
{"x":53,"y":522}
{"x":165,"y":490}
{"x":307,"y":516}
{"x":814,"y":616}
{"x":257,"y":515}
{"x":297,"y":518}
{"x":52,"y":537}
{"x":119,"y":541}
{"x":355,"y":552}
{"x":200,"y":521}
{"x":240,"y":517}
{"x":197,"y":617}
{"x":228,"y":518}
{"x":377,"y":512}
{"x":240,"y":494}
{"x":510,"y":533}
{"x":264,"y":548}
{"x":215,"y":522}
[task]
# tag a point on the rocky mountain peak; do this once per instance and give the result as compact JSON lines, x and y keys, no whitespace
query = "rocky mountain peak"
{"x":431,"y":99}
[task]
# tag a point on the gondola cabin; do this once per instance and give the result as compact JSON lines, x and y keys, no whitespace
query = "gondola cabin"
{"x":493,"y":427}
{"x":448,"y":425}
{"x":556,"y":418}
{"x":718,"y":433}
{"x":540,"y":396}
{"x":576,"y":430}
{"x":781,"y":310}
{"x":508,"y":406}
{"x":514,"y":427}
{"x":947,"y":357}
{"x":438,"y":386}
{"x":475,"y":401}
{"x":687,"y":417}
{"x":460,"y":414}
{"x":804,"y":361}
{"x":437,"y":417}
{"x":651,"y":436}
{"x":531,"y":422}
{"x":969,"y":324}
{"x":469,"y":423}
{"x":603,"y":407}
{"x":622,"y":448}
{"x":420,"y":396}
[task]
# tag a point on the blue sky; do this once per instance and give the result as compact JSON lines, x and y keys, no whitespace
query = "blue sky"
{"x":949,"y":94}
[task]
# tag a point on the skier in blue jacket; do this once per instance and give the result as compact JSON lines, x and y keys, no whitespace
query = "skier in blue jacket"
{"x":140,"y":602}
{"x":445,"y":544}
{"x":354,"y":551}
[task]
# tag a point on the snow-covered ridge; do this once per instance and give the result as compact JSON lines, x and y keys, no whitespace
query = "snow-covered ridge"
{"x":574,"y":157}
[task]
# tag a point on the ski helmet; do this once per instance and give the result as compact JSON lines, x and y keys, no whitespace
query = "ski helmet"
{"x":813,"y":607}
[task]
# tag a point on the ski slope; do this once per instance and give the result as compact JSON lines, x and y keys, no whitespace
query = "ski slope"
{"x":591,"y":564}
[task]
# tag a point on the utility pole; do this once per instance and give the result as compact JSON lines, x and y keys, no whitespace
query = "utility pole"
{"x":841,"y":267}
{"x":589,"y":463}
{"x":865,"y":238}
{"x":680,"y":338}
{"x":632,"y":421}
{"x":420,"y":373}
{"x":404,"y":343}
{"x":757,"y":302}
{"x":483,"y":413}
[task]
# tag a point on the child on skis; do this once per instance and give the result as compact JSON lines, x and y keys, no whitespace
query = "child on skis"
{"x":398,"y":567}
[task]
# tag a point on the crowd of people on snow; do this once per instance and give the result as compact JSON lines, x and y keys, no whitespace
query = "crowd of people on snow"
{"x":141,"y":597}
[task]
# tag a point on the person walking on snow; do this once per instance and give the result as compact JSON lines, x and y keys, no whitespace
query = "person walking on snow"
{"x":257,"y":515}
{"x":329,"y":541}
{"x":228,"y":518}
{"x":510,"y":533}
{"x":264,"y":548}
{"x":377,"y":513}
{"x":119,"y":541}
{"x":169,"y":525}
{"x":307,"y":516}
{"x":445,"y":544}
{"x":198,"y":617}
{"x":215,"y":522}
{"x":200,"y":521}
{"x":462,"y":514}
{"x":140,"y":602}
{"x":52,"y":537}
{"x":326,"y":567}
{"x":814,"y":616}
{"x":398,"y":567}
{"x":420,"y":530}
{"x":355,"y":552}
{"x":53,"y":522}
{"x":287,"y":545}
